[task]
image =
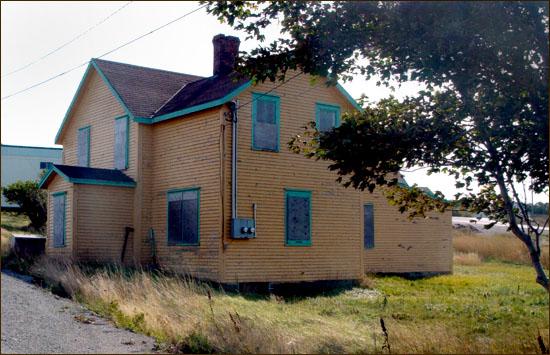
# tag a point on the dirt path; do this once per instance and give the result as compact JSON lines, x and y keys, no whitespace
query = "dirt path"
{"x":35,"y":321}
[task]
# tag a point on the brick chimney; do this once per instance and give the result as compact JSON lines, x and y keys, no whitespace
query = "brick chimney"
{"x":226,"y":49}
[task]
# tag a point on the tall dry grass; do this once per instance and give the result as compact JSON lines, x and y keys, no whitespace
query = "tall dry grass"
{"x":470,"y":259}
{"x":504,"y":247}
{"x":6,"y":247}
{"x":193,"y":317}
{"x":176,"y":310}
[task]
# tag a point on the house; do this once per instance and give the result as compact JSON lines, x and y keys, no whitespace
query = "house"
{"x":194,"y":173}
{"x":25,"y":163}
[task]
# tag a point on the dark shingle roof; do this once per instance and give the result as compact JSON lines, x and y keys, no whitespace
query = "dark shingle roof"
{"x":202,"y":91}
{"x":143,"y":90}
{"x":94,"y":176}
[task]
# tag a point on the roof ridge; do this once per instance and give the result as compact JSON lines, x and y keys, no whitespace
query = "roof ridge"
{"x":143,"y":67}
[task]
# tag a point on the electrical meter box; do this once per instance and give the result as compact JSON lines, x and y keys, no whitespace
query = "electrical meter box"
{"x":243,"y":228}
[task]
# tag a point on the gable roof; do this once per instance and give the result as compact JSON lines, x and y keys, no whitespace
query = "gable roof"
{"x":150,"y":95}
{"x":89,"y":176}
{"x":143,"y":90}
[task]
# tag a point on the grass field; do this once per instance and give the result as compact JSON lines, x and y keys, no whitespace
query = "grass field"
{"x":490,"y":304}
{"x":493,"y":307}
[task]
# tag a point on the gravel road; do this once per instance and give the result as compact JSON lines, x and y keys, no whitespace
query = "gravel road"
{"x":35,"y":321}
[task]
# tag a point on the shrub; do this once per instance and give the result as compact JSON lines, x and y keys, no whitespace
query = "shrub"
{"x":31,"y":200}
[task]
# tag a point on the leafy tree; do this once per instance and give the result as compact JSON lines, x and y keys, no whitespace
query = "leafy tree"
{"x":30,"y":199}
{"x":482,"y":118}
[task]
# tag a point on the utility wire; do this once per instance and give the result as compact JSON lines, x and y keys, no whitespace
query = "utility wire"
{"x":66,"y":43}
{"x":267,"y":92}
{"x":104,"y":54}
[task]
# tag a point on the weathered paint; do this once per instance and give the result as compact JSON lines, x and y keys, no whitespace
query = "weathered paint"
{"x":402,"y":245}
{"x":194,"y":152}
{"x":103,"y":214}
{"x":186,"y":154}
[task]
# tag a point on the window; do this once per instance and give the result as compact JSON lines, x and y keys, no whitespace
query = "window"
{"x":327,"y":117}
{"x":368,"y":216}
{"x":59,"y":202}
{"x":183,"y":217}
{"x":298,"y":217}
{"x":121,"y":142}
{"x":265,"y":122}
{"x":83,"y":149}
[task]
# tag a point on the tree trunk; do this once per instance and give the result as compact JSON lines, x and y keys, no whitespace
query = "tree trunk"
{"x":542,"y":279}
{"x":534,"y":252}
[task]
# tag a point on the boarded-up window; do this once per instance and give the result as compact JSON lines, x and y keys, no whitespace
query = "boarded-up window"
{"x":183,"y":217}
{"x":265,"y":122}
{"x":327,"y":116}
{"x":121,"y":143}
{"x":59,"y":201}
{"x":368,"y":212}
{"x":83,"y":149}
{"x":298,"y":217}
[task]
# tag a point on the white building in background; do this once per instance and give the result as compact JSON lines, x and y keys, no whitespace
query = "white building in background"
{"x":25,"y":163}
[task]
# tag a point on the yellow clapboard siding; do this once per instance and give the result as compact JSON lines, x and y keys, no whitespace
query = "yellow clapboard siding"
{"x":195,"y":151}
{"x":103,"y":214}
{"x":185,"y":154}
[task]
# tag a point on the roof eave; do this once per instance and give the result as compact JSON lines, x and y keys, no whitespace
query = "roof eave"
{"x":43,"y":182}
{"x":77,"y":94}
{"x":195,"y":108}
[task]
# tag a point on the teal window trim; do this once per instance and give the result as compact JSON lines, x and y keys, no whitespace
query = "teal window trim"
{"x":127,"y":152}
{"x":88,"y":128}
{"x":328,"y":107}
{"x":297,"y":193}
{"x":277,"y":100}
{"x":64,"y":194}
{"x":365,"y":246}
{"x":198,"y":189}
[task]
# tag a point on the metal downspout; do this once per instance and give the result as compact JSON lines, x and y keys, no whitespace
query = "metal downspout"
{"x":234,"y":120}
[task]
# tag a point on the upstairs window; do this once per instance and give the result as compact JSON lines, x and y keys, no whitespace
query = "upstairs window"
{"x":183,"y":217}
{"x":298,"y":217}
{"x":368,"y":226}
{"x":327,"y":117}
{"x":59,"y":202}
{"x":265,"y":122}
{"x":83,"y":148}
{"x":121,"y":142}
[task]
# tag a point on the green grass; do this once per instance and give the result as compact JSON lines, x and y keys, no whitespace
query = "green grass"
{"x":493,"y":307}
{"x":14,"y":222}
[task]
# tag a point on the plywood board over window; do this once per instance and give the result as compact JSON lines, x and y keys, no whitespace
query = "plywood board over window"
{"x":327,"y":116}
{"x":265,"y":122}
{"x":122,"y":138}
{"x":83,"y":149}
{"x":59,"y":216}
{"x":298,"y":217}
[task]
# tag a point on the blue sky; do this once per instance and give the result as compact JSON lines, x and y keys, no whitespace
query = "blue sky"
{"x":32,"y":29}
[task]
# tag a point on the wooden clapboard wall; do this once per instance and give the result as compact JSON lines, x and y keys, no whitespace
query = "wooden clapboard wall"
{"x":185,"y":154}
{"x":335,"y":251}
{"x":403,"y":245}
{"x":103,"y":214}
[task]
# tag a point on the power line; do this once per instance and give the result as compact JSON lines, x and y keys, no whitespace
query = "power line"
{"x":104,"y":54}
{"x":267,"y":92}
{"x":67,"y":43}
